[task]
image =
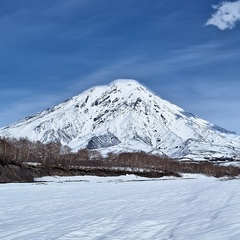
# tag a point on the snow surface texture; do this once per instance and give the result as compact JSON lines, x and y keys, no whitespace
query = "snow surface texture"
{"x":94,"y":208}
{"x":125,"y":116}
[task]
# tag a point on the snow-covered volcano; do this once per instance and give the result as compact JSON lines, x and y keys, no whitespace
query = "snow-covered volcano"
{"x":125,"y":116}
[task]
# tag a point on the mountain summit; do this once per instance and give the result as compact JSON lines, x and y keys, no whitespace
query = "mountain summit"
{"x":125,"y":116}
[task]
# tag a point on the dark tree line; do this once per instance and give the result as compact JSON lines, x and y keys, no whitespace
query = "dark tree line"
{"x":52,"y":153}
{"x":23,"y":150}
{"x":55,"y":154}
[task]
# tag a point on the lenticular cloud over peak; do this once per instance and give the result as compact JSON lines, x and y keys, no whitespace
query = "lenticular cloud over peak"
{"x":226,"y":15}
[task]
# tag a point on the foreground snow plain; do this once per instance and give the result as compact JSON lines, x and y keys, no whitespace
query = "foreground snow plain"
{"x":125,"y":207}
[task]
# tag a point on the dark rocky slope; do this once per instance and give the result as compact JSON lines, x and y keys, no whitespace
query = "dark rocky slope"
{"x":11,"y":171}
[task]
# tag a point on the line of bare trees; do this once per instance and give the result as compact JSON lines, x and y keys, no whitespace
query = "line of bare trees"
{"x":143,"y":160}
{"x":54,"y":154}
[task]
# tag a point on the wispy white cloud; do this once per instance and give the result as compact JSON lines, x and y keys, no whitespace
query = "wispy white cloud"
{"x":226,"y":15}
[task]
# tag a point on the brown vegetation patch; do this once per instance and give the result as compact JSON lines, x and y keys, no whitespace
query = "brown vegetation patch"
{"x":55,"y":159}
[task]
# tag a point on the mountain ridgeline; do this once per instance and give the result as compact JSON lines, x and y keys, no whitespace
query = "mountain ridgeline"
{"x":124,"y":116}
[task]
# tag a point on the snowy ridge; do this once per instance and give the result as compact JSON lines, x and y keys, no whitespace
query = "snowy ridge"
{"x":125,"y":116}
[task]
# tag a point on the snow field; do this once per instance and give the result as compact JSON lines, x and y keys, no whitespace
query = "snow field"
{"x":126,"y":207}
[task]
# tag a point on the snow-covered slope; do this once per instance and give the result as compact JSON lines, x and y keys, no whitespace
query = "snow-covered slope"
{"x":125,"y":116}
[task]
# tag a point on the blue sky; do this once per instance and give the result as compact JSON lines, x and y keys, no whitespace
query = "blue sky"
{"x":51,"y":50}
